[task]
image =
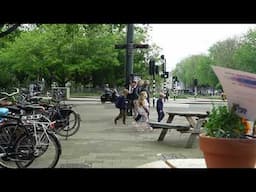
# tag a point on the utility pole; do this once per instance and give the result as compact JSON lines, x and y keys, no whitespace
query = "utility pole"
{"x":164,"y":73}
{"x":129,"y":53}
{"x":154,"y":90}
{"x":152,"y":71}
{"x":130,"y":46}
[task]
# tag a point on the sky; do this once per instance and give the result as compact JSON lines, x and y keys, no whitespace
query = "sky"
{"x":179,"y":41}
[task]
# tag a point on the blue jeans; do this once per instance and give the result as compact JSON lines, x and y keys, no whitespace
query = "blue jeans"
{"x":160,"y":116}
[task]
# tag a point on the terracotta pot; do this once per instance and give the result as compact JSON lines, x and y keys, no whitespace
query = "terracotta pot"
{"x":228,"y":153}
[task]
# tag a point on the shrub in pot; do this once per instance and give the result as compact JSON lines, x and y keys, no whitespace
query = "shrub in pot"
{"x":225,"y":142}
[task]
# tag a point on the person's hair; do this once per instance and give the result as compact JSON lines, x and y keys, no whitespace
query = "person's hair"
{"x":162,"y":95}
{"x":141,"y":82}
{"x":141,"y":100}
{"x":146,"y":82}
{"x":125,"y":91}
{"x":144,"y":94}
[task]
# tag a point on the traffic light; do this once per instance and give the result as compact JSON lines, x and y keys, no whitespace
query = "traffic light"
{"x":151,"y":67}
{"x":163,"y":63}
{"x":166,"y":75}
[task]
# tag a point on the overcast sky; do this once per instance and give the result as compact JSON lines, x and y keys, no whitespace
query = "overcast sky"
{"x":179,"y":41}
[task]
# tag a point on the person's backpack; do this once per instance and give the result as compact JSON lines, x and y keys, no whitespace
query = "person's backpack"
{"x":118,"y":102}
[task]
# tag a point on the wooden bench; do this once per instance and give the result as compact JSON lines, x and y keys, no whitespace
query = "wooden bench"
{"x":166,"y":126}
{"x":159,"y":125}
{"x":193,"y":129}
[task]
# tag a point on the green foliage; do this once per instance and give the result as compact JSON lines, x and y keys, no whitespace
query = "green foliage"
{"x":196,"y":67}
{"x":224,"y":123}
{"x":236,"y":53}
{"x":6,"y":79}
{"x":245,"y":56}
{"x":81,"y":53}
{"x":222,"y":53}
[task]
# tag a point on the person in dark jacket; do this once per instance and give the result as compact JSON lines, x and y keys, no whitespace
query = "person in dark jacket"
{"x":160,"y":107}
{"x":123,"y":102}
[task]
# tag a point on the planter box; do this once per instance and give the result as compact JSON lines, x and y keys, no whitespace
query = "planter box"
{"x":227,"y":152}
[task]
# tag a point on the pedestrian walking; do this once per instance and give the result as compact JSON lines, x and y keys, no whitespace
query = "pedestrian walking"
{"x":121,"y":103}
{"x":160,"y":107}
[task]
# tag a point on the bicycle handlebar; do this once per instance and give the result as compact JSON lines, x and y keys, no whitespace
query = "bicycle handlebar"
{"x":11,"y":94}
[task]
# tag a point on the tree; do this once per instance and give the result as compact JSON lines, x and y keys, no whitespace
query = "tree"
{"x":196,"y":67}
{"x":82,"y":53}
{"x":245,"y":56}
{"x":222,"y":53}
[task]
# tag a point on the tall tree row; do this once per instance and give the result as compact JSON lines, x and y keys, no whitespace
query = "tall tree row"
{"x":236,"y":53}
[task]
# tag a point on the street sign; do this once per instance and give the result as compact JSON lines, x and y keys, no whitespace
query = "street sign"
{"x":134,"y":46}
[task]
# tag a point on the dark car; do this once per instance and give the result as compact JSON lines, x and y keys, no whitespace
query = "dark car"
{"x":109,"y":96}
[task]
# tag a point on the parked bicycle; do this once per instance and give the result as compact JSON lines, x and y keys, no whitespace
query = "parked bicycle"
{"x":27,"y":141}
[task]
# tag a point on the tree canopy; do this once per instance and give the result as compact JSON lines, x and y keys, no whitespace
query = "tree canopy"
{"x":81,"y":53}
{"x":236,"y":53}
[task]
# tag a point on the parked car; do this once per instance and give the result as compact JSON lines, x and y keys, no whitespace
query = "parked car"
{"x":110,"y":95}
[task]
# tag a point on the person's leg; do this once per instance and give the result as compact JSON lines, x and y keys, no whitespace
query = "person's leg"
{"x":161,"y":116}
{"x":138,"y":117}
{"x":123,"y":113}
{"x":158,"y":116}
{"x":118,"y":117}
{"x":135,"y":108}
{"x":130,"y":107}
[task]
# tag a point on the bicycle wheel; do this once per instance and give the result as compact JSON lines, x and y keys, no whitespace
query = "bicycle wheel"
{"x":70,"y":118}
{"x":73,"y":125}
{"x":8,"y":136}
{"x":24,"y":151}
{"x":5,"y":161}
{"x":44,"y":153}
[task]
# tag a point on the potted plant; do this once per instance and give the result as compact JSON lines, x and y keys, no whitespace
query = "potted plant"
{"x":225,"y":142}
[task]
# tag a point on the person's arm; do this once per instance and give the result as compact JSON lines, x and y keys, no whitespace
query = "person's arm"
{"x":146,"y":109}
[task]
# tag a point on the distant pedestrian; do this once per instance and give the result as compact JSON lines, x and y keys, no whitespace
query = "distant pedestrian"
{"x":167,"y":95}
{"x":121,"y":104}
{"x":223,"y":96}
{"x":174,"y":94}
{"x":160,"y":107}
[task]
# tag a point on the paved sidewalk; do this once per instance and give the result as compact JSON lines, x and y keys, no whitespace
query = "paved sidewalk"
{"x":101,"y":144}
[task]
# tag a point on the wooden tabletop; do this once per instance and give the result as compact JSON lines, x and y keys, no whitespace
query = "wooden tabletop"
{"x":188,"y":113}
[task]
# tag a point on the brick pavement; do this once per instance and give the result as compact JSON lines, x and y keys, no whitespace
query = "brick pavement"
{"x":101,"y":144}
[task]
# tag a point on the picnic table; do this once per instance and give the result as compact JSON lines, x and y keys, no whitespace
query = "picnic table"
{"x":195,"y":121}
